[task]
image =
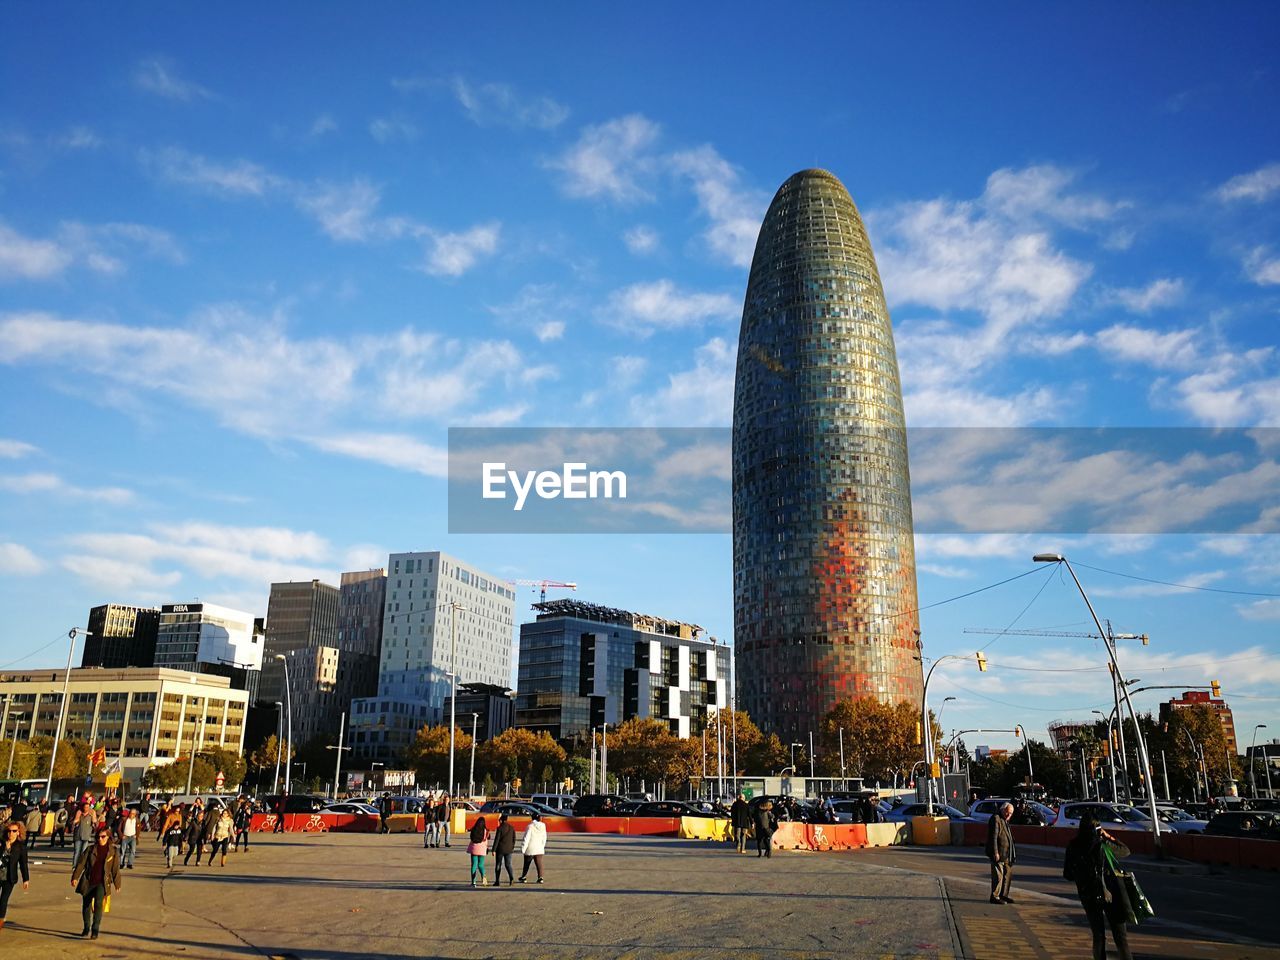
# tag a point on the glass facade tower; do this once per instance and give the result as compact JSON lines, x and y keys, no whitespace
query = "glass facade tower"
{"x":823,"y":558}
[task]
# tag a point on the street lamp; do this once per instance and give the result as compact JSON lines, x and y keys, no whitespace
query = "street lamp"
{"x":1109,"y":642}
{"x":275,"y":781}
{"x":1253,"y":759}
{"x":62,"y":710}
{"x":13,"y":744}
{"x":337,"y":773}
{"x":288,"y":698}
{"x":1111,"y":754}
{"x":945,"y":701}
{"x":925,"y":724}
{"x":454,"y":607}
{"x":793,"y":757}
{"x":471,"y":780}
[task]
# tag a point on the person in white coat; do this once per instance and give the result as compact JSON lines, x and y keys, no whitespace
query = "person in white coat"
{"x":533,"y":846}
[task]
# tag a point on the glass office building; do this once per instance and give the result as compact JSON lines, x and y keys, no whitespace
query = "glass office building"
{"x":823,"y":558}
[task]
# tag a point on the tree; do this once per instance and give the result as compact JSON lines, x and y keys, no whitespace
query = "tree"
{"x":1174,"y":739}
{"x":172,"y":777}
{"x":227,"y":762}
{"x":428,"y":755}
{"x":878,"y":737}
{"x":72,"y":763}
{"x":645,"y":749}
{"x":264,"y":758}
{"x":522,"y":751}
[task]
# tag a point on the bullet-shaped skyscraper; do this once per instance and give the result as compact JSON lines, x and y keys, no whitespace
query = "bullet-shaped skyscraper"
{"x":824,"y":574}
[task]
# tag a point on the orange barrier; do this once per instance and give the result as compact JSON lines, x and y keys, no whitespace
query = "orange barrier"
{"x":315,"y":823}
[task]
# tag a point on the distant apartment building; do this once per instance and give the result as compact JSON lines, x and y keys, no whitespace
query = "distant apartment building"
{"x":583,"y":665}
{"x":484,"y":709}
{"x":144,"y":716}
{"x":423,"y":635}
{"x":194,"y":634}
{"x":1202,"y":698}
{"x":302,"y":625}
{"x":121,"y":636}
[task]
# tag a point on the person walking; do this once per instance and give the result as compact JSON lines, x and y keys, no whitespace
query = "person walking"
{"x":765,"y":823}
{"x":533,"y":846}
{"x":193,"y":831}
{"x":430,"y":832}
{"x":224,"y":828}
{"x":504,"y":845}
{"x":34,"y":821}
{"x":281,"y":805}
{"x":82,"y":829}
{"x":243,"y":820}
{"x":740,"y":819}
{"x":478,"y":848}
{"x":384,"y":812}
{"x":1002,"y":853}
{"x":61,"y":819}
{"x":95,"y":874}
{"x":128,"y":838}
{"x":212,"y":812}
{"x":172,"y":837}
{"x":1102,"y":894}
{"x":442,"y":820}
{"x":13,"y":865}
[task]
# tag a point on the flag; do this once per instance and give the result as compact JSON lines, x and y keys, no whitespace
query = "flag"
{"x":98,"y":757}
{"x":112,"y":767}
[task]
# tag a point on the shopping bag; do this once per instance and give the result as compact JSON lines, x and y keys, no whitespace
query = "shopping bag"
{"x":1139,"y":906}
{"x":106,"y":903}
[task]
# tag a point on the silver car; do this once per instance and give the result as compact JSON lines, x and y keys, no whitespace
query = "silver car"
{"x":1179,"y":819}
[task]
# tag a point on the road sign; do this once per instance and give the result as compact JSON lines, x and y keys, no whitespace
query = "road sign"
{"x":219,"y":780}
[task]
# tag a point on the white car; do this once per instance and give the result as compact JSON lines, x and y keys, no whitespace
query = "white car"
{"x":350,"y":807}
{"x":1114,"y":816}
{"x":904,"y":812}
{"x":1179,"y":819}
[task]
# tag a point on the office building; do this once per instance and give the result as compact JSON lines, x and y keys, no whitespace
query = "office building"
{"x":823,"y":552}
{"x":191,"y":634}
{"x":121,"y":636}
{"x":484,"y":709}
{"x":422,"y":636}
{"x":144,"y":716}
{"x":583,"y":665}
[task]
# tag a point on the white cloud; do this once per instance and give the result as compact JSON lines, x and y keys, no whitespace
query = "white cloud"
{"x":16,"y":449}
{"x":79,"y":138}
{"x":322,"y":124}
{"x":1256,"y":186}
{"x":699,"y":396}
{"x":25,"y":258}
{"x":609,"y":160}
{"x":453,"y":254}
{"x":641,"y":239}
{"x":392,"y":129}
{"x":498,"y":103}
{"x":1234,"y":389}
{"x":390,"y":449}
{"x":17,"y":561}
{"x":346,"y":211}
{"x":549,"y":330}
{"x":51,"y":483}
{"x":1175,"y":349}
{"x":735,"y":213}
{"x":1159,"y":293}
{"x":1040,"y":192}
{"x":940,"y":405}
{"x":1262,"y":267}
{"x":158,"y":75}
{"x":1261,"y":610}
{"x":237,"y":178}
{"x":660,"y":305}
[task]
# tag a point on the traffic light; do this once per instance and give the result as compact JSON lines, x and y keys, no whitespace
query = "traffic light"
{"x":982,"y":662}
{"x":1216,"y":688}
{"x":935,"y":770}
{"x":1017,"y":730}
{"x":919,"y":734}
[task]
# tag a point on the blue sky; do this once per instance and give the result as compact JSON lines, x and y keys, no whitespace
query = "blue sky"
{"x":252,"y":267}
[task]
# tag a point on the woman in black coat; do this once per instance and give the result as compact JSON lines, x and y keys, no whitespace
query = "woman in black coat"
{"x":765,"y":823}
{"x":504,"y":846}
{"x":13,"y":863}
{"x":1102,"y":893}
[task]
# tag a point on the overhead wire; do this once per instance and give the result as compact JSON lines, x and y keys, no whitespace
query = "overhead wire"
{"x":1180,"y":586}
{"x":28,"y":656}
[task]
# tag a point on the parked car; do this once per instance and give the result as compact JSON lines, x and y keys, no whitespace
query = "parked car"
{"x":668,"y":808}
{"x":557,"y":801}
{"x":1179,"y":819}
{"x":1116,"y":816}
{"x":294,"y":803}
{"x":519,"y":808}
{"x":348,"y":807}
{"x":1255,"y":824}
{"x":983,"y":809}
{"x":594,"y":804}
{"x":904,"y":812}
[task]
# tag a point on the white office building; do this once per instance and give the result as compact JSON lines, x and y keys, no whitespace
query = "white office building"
{"x":194,"y":633}
{"x":423,"y":636}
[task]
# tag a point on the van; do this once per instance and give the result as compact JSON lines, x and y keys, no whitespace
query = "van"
{"x":556,"y":801}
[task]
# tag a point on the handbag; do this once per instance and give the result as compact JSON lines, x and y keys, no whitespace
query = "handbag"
{"x":1139,"y":906}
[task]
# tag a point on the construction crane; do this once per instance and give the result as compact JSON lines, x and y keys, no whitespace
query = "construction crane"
{"x":1063,"y":633}
{"x":543,"y":584}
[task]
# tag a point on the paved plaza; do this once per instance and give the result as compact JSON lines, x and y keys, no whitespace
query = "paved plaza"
{"x":348,"y":896}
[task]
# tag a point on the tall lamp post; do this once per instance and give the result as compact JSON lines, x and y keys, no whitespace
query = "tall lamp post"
{"x":62,"y":710}
{"x":1111,"y":755}
{"x":337,"y":773}
{"x":288,"y":710}
{"x":454,"y":608}
{"x":1253,"y":759}
{"x":13,"y":744}
{"x":275,"y":781}
{"x":471,"y":780}
{"x":1143,"y":757}
{"x":945,"y":701}
{"x":1021,"y":731}
{"x":925,"y":725}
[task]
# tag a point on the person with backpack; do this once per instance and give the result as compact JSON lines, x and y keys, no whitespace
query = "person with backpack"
{"x":172,"y":837}
{"x":504,"y":845}
{"x":1089,"y":863}
{"x":478,"y":848}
